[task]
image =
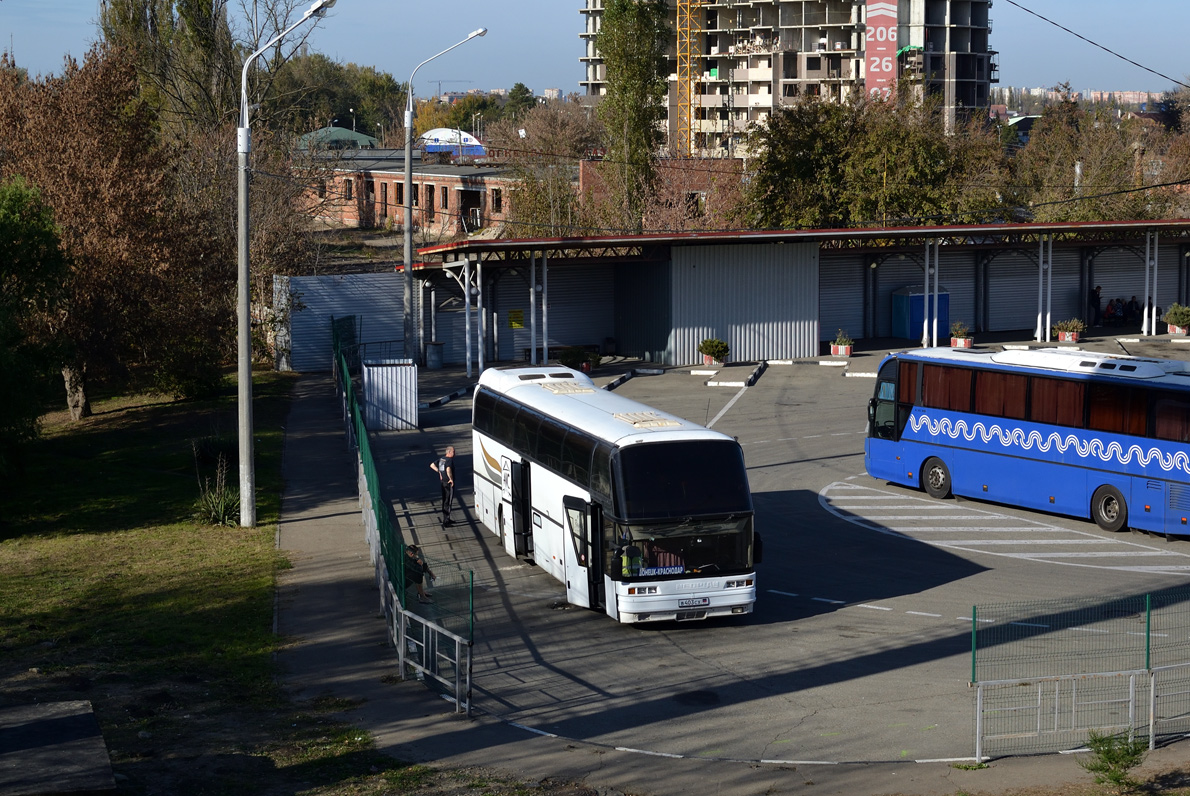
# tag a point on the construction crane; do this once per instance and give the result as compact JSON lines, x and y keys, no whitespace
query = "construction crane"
{"x":689,"y":30}
{"x":440,"y":82}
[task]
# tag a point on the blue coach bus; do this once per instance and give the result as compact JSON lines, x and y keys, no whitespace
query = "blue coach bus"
{"x":1071,"y":432}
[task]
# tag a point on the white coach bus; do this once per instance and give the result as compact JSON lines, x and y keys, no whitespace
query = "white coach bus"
{"x":640,"y":513}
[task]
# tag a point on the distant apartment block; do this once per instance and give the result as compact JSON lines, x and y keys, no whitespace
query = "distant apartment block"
{"x":733,"y":61}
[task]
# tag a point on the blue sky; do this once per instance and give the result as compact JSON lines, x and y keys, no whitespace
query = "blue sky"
{"x":537,"y":42}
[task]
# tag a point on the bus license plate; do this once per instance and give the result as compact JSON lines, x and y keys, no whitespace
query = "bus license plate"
{"x":694,"y":602}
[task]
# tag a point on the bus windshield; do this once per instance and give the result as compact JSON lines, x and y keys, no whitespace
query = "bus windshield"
{"x":707,"y":547}
{"x":687,"y":478}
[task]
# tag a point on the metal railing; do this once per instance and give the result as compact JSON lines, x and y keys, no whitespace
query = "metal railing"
{"x":426,"y":646}
{"x":1050,"y":714}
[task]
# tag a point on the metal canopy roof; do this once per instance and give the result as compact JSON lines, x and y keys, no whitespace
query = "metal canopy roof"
{"x":643,"y":246}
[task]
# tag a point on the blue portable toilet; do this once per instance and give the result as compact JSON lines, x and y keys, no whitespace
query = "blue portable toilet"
{"x":908,"y":310}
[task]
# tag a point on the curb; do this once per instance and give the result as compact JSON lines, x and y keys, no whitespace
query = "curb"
{"x":613,"y":384}
{"x":447,"y":398}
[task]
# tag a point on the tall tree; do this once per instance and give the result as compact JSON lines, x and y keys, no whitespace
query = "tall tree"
{"x":106,"y":182}
{"x":186,"y":55}
{"x":31,"y":274}
{"x":1085,"y":164}
{"x":801,"y":166}
{"x":632,"y":42}
{"x":520,"y":101}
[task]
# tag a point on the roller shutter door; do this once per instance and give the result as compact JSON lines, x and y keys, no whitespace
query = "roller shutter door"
{"x":841,"y":295}
{"x":581,"y":308}
{"x":1121,"y":274}
{"x":957,"y":277}
{"x":1012,"y":292}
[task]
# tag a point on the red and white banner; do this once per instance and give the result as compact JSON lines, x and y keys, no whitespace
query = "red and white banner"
{"x":880,"y":47}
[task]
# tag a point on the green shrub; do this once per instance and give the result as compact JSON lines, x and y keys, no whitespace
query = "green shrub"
{"x":715,"y":349}
{"x":1112,"y":757}
{"x":218,"y":503}
{"x":573,"y":357}
{"x":1177,"y":315}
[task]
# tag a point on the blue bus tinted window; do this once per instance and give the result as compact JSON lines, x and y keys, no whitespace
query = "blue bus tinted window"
{"x":887,"y":391}
{"x":1116,"y":408}
{"x":679,"y":479}
{"x":945,"y":387}
{"x":1171,"y":417}
{"x":1056,"y":401}
{"x":1000,"y":394}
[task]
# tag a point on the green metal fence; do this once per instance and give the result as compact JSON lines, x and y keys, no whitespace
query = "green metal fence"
{"x":452,"y":587}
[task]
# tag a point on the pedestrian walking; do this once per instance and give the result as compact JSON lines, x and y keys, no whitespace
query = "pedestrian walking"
{"x":445,"y":467}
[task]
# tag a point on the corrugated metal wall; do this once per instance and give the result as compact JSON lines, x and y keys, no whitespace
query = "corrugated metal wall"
{"x":841,"y":294}
{"x":376,"y":298}
{"x":643,"y":310}
{"x":761,"y":299}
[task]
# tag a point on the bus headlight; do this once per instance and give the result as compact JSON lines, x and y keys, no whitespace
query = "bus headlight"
{"x":735,"y":584}
{"x":642,"y":589}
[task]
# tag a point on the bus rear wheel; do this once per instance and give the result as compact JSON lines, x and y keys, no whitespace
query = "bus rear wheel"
{"x":1108,"y":508}
{"x":935,"y":478}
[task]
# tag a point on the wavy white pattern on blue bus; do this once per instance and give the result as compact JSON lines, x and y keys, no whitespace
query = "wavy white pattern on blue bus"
{"x":1028,"y":440}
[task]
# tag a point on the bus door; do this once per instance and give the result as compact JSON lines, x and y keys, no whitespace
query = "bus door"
{"x":582,"y":554}
{"x":883,"y":446}
{"x":515,"y":508}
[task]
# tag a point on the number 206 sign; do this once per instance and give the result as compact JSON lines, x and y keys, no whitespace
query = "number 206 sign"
{"x":880,"y":47}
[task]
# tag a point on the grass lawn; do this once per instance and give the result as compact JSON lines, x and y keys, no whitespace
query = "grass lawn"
{"x":111,"y":591}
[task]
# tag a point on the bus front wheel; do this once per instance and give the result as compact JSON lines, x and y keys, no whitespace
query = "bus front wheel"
{"x":935,"y":478}
{"x":1108,"y":508}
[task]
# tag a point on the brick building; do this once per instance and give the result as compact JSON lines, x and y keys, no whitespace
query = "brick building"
{"x":367,"y":190}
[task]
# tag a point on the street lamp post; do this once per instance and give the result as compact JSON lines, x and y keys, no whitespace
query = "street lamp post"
{"x":408,"y":280}
{"x":243,"y":297}
{"x":352,"y":112}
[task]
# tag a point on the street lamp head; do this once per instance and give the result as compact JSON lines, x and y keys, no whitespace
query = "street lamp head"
{"x":480,"y":32}
{"x":319,"y":8}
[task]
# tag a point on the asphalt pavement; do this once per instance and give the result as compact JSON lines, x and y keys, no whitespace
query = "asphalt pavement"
{"x":328,"y":610}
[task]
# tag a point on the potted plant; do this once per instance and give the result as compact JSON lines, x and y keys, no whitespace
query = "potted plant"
{"x":1067,"y":331}
{"x":714,"y":351}
{"x":841,"y":347}
{"x":578,"y":358}
{"x":1177,"y":318}
{"x":960,"y":335}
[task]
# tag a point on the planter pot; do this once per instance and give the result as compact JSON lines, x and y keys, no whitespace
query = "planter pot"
{"x":1179,"y":330}
{"x":710,"y":361}
{"x":1068,"y":337}
{"x":962,"y":342}
{"x":586,"y":367}
{"x":840,"y":350}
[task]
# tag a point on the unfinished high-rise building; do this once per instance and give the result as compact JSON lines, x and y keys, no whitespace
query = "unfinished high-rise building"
{"x":733,"y":61}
